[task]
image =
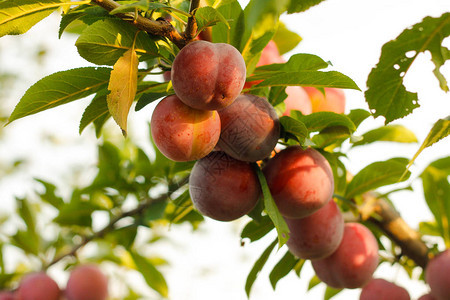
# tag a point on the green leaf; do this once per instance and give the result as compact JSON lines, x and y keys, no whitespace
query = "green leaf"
{"x":320,"y":120}
{"x":376,"y":175}
{"x":331,"y":292}
{"x":49,"y":195}
{"x":389,"y":133}
{"x":298,"y":6}
{"x":316,"y":79}
{"x":331,"y":137}
{"x":257,"y":267}
{"x":231,"y":11}
{"x":430,"y":228}
{"x":144,"y":5}
{"x":272,"y":210}
{"x":436,"y":189}
{"x":97,"y":110}
{"x":282,"y":268}
{"x":314,"y":281}
{"x":255,"y":230}
{"x":27,"y":214}
{"x":440,"y":130}
{"x":18,"y":16}
{"x":152,"y":276}
{"x":75,"y":213}
{"x":60,"y":88}
{"x":123,"y":236}
{"x":294,"y":127}
{"x":152,"y":91}
{"x":27,"y":241}
{"x":386,"y":94}
{"x":260,"y":22}
{"x":285,"y":39}
{"x":105,"y":41}
{"x":358,"y":116}
{"x":208,"y":16}
{"x":85,"y":14}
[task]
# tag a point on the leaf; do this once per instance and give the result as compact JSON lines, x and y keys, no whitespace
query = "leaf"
{"x":314,"y":281}
{"x":18,"y":16}
{"x":436,"y":188}
{"x":320,"y":120}
{"x":152,"y":276}
{"x":440,"y":130}
{"x":376,"y":175}
{"x":144,"y":5}
{"x":331,"y":137}
{"x":358,"y":116}
{"x":208,"y":16}
{"x":272,"y":210}
{"x":123,"y":86}
{"x":257,"y":267}
{"x":331,"y":292}
{"x":152,"y":91}
{"x":299,"y":6}
{"x":316,"y":79}
{"x":389,"y":133}
{"x":97,"y":110}
{"x":285,"y":39}
{"x":386,"y":94}
{"x":105,"y":41}
{"x":231,"y":11}
{"x":60,"y":88}
{"x":86,"y":14}
{"x":294,"y":127}
{"x":260,"y":21}
{"x":49,"y":195}
{"x":255,"y":230}
{"x":282,"y":268}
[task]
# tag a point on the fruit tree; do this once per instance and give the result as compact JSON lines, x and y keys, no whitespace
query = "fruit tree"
{"x":238,"y":127}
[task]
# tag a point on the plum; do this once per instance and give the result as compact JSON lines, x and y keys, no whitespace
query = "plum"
{"x":182,"y":133}
{"x":301,"y":181}
{"x":250,"y":128}
{"x":222,"y":187}
{"x":353,"y":263}
{"x":208,"y":76}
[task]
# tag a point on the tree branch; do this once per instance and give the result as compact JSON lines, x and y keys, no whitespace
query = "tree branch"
{"x":158,"y":27}
{"x":391,"y":223}
{"x":108,"y":228}
{"x":191,"y":27}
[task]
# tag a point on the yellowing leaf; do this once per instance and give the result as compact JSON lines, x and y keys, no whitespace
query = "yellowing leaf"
{"x":122,"y":87}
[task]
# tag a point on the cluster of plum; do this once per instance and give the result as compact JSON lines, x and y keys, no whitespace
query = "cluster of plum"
{"x":209,"y":120}
{"x":86,"y":282}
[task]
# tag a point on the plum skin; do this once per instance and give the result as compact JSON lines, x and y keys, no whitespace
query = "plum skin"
{"x":318,"y":235}
{"x":301,"y":181}
{"x":222,"y":187}
{"x":182,"y":133}
{"x":87,"y":282}
{"x":353,"y":263}
{"x":297,"y":99}
{"x":208,"y":76}
{"x":436,"y":275}
{"x":38,"y":286}
{"x":250,"y":128}
{"x":333,"y":100}
{"x":381,"y":289}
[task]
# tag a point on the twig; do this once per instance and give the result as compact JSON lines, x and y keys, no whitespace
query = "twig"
{"x":160,"y":27}
{"x":191,"y":27}
{"x":108,"y":228}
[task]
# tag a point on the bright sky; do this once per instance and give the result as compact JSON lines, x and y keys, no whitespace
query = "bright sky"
{"x":211,"y":263}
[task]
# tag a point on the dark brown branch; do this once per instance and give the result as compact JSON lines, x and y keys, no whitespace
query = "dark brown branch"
{"x":392,"y":224}
{"x":158,"y":27}
{"x":191,"y":27}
